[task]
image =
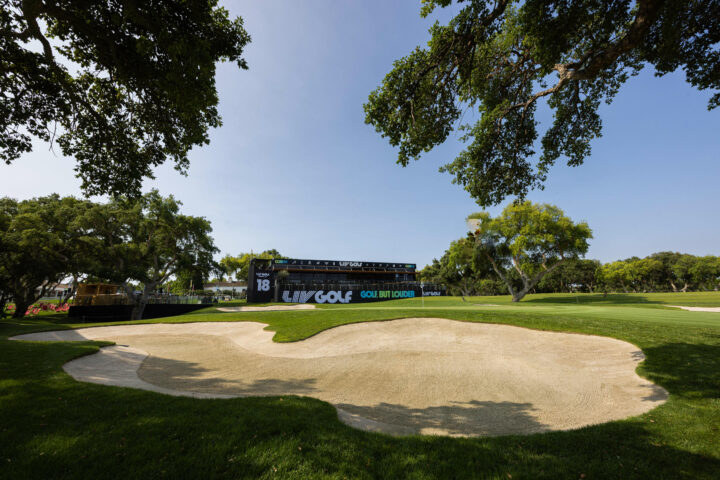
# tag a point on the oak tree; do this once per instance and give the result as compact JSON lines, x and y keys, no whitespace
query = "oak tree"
{"x":503,"y":57}
{"x":36,"y":246}
{"x":530,"y":239}
{"x":121,"y":86}
{"x":157,"y":242}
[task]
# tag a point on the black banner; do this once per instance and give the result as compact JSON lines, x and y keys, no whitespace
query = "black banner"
{"x":294,"y":262}
{"x":354,"y":296}
{"x":261,"y":286}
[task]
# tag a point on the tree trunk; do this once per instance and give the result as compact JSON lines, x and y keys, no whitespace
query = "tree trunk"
{"x":684,"y":289}
{"x":141,"y":302}
{"x":23,"y":299}
{"x":20,"y":308}
{"x":517,"y":296}
{"x":138,"y":309}
{"x":71,"y":291}
{"x":673,"y":286}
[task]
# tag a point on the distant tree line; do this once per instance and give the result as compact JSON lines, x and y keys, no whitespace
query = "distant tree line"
{"x":238,"y":266}
{"x":536,"y":248}
{"x":139,"y":244}
{"x":462,"y":269}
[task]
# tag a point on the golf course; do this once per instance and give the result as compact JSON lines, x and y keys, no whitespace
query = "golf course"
{"x":54,"y":426}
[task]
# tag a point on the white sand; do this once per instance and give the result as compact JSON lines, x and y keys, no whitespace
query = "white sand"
{"x":697,"y":309}
{"x":270,"y":308}
{"x":410,"y":376}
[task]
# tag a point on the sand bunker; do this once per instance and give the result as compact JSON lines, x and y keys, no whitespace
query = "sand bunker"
{"x":410,"y":376}
{"x":271,"y":308}
{"x":697,"y":309}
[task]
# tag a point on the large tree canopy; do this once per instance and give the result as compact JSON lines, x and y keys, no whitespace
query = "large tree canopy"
{"x":125,"y":85}
{"x":149,"y":241}
{"x":531,"y":239}
{"x":239,"y":266}
{"x":39,"y":246}
{"x":502,"y":57}
{"x":45,"y":240}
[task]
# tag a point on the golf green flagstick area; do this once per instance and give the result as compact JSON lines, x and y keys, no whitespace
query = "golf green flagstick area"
{"x":52,"y":426}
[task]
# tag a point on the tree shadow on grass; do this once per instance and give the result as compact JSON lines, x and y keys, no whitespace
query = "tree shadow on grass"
{"x":459,"y":419}
{"x":685,"y":369}
{"x":191,"y":376}
{"x":596,"y":299}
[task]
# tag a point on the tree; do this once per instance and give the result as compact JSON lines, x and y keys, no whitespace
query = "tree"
{"x":531,"y":239}
{"x":504,"y":57}
{"x":648,"y":273}
{"x":573,"y":275}
{"x":239,"y":266}
{"x":463,"y":270}
{"x":614,"y":275}
{"x":34,"y":254}
{"x":706,"y":272}
{"x":668,"y":261}
{"x":458,"y":266}
{"x":160,"y":242}
{"x":187,"y":280}
{"x":121,"y":86}
{"x":230,"y":265}
{"x":683,"y":270}
{"x":8,"y":210}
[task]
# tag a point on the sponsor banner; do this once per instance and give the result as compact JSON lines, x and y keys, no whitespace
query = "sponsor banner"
{"x":260,"y":291}
{"x":433,"y":293}
{"x":352,"y":296}
{"x":290,"y":262}
{"x":317,"y":296}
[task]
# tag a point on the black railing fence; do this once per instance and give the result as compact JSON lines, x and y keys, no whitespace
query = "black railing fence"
{"x":157,"y":299}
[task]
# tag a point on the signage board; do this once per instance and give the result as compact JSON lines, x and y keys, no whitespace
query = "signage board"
{"x":354,"y":296}
{"x":294,"y":262}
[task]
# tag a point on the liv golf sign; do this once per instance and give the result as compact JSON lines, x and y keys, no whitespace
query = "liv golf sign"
{"x":352,"y":296}
{"x":317,"y":296}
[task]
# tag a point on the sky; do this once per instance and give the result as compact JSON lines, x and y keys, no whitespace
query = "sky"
{"x":294,"y":167}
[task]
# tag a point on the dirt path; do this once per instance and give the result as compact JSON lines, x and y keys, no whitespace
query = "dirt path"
{"x":410,"y":376}
{"x":270,"y":308}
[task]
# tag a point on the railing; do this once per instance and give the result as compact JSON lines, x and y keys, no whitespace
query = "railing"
{"x":163,"y":299}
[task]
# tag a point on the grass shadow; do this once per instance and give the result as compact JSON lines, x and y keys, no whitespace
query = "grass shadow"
{"x":685,"y":369}
{"x":191,"y":376}
{"x":475,"y":417}
{"x":595,"y":298}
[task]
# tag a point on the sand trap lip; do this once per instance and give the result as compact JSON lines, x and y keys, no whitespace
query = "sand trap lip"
{"x":697,"y":309}
{"x":270,"y":308}
{"x":410,"y":376}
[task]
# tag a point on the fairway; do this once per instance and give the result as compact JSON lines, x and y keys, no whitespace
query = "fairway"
{"x":56,"y":427}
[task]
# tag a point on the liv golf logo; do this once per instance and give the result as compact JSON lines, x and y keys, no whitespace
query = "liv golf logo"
{"x":303,"y":296}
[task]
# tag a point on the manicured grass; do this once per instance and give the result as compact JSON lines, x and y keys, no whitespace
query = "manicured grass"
{"x":54,"y":427}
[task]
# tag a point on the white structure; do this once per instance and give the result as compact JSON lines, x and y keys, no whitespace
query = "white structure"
{"x":56,"y":290}
{"x":219,"y":287}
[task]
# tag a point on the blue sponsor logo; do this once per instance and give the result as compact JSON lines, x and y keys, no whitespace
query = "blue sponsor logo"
{"x":387,"y":294}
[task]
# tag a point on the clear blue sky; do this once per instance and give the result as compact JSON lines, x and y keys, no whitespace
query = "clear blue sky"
{"x":295,"y":168}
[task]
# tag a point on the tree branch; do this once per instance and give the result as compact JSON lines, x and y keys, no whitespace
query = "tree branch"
{"x":593,"y":62}
{"x":31,"y":9}
{"x":497,"y":270}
